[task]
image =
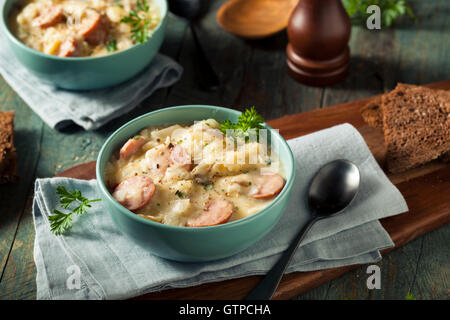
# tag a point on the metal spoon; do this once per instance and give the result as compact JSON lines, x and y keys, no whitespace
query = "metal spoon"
{"x":332,"y":189}
{"x":190,"y":9}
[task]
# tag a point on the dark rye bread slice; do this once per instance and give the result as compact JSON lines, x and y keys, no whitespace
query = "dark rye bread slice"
{"x":8,"y":157}
{"x":416,"y":125}
{"x":371,"y":112}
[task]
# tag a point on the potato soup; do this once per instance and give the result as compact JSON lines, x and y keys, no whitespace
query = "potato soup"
{"x":80,"y":28}
{"x":193,"y":175}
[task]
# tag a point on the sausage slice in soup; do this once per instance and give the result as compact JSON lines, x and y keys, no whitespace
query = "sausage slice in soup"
{"x":216,"y":212}
{"x":134,"y":192}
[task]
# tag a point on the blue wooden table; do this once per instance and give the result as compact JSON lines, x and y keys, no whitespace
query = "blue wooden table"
{"x":252,"y":73}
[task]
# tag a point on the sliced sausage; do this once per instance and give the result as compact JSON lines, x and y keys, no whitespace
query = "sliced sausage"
{"x":131,"y":147}
{"x":134,"y":192}
{"x":49,"y":17}
{"x":94,"y":27}
{"x":267,"y":186}
{"x":179,"y":156}
{"x":216,"y":212}
{"x":69,"y":48}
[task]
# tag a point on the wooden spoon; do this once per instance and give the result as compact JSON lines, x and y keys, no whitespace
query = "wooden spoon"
{"x":255,"y":19}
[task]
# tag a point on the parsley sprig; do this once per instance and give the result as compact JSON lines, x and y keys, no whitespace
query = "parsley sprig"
{"x":140,"y":21}
{"x":59,"y":221}
{"x":391,"y":10}
{"x":112,"y":46}
{"x":250,"y":119}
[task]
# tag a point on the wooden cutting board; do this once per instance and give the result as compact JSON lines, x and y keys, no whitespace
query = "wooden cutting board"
{"x":425,"y":189}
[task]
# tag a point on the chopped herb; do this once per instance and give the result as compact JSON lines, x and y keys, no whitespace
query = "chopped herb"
{"x":137,"y":137}
{"x":249,"y":183}
{"x":140,"y":22}
{"x":208,"y":187}
{"x":111,"y":46}
{"x":180,"y":141}
{"x":158,"y":204}
{"x":59,"y":221}
{"x":179,"y":194}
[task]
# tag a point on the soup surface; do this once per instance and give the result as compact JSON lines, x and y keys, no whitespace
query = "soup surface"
{"x":193,"y":176}
{"x":80,"y":28}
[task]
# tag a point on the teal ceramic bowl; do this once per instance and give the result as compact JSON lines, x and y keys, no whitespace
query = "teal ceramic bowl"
{"x":184,"y":243}
{"x":85,"y":73}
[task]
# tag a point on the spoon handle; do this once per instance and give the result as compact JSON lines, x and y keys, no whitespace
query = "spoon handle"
{"x":266,"y":288}
{"x":208,"y":79}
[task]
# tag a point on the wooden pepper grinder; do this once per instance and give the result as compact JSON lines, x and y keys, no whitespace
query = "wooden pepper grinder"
{"x":318,"y":53}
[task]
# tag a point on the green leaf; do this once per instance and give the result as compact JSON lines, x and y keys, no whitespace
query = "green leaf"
{"x":248,"y":120}
{"x":139,"y":23}
{"x":409,"y":296}
{"x":111,"y":46}
{"x":59,"y":221}
{"x":391,"y":10}
{"x":208,"y":186}
{"x":179,"y":194}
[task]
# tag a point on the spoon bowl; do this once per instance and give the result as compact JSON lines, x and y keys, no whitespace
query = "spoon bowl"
{"x":333,"y":188}
{"x":254,"y":19}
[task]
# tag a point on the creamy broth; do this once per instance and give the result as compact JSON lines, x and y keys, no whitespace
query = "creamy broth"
{"x":78,"y":28}
{"x":194,"y":179}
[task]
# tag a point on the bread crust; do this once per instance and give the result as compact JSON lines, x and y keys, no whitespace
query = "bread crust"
{"x":8,"y":156}
{"x":371,"y":113}
{"x":416,"y":125}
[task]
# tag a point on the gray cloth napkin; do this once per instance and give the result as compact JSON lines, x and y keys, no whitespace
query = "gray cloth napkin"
{"x":89,"y":109}
{"x":112,"y":267}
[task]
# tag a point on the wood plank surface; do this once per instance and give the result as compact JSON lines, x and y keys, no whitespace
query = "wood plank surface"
{"x":422,"y":189}
{"x":252,"y":73}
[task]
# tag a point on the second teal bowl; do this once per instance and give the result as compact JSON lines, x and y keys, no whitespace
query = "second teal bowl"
{"x":85,"y":73}
{"x":183,"y":243}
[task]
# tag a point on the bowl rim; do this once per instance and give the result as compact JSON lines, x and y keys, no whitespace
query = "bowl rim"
{"x":100,"y":183}
{"x":14,"y":39}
